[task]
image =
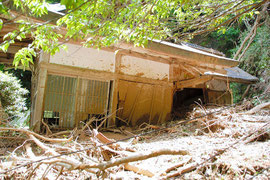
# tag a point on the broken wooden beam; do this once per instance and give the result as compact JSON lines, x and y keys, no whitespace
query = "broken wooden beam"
{"x":193,"y":82}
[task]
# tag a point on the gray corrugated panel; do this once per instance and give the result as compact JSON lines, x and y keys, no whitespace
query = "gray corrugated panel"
{"x":238,"y":73}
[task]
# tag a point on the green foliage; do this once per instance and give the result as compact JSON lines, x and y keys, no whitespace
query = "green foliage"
{"x":24,"y":77}
{"x":22,"y":121}
{"x":222,"y":41}
{"x":12,"y":95}
{"x":225,"y":41}
{"x":238,"y":90}
{"x":24,"y":55}
{"x":255,"y":61}
{"x":257,"y":58}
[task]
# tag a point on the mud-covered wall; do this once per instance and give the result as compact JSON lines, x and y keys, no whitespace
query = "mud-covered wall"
{"x":218,"y":92}
{"x":219,"y":97}
{"x":144,"y":68}
{"x":139,"y":103}
{"x":217,"y":85}
{"x":105,"y":61}
{"x":90,"y":58}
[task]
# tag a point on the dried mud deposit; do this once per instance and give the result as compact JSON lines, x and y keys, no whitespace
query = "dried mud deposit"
{"x":230,"y":144}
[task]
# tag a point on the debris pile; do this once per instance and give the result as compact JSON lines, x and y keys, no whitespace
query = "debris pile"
{"x":216,"y":142}
{"x":94,"y":157}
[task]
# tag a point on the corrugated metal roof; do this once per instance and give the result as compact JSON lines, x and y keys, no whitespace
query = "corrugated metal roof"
{"x":238,"y":73}
{"x":235,"y":73}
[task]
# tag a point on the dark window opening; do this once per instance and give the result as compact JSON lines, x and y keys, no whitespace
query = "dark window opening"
{"x":184,"y":101}
{"x":51,"y":118}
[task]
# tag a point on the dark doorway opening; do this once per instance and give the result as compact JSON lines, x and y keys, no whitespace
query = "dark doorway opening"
{"x":184,"y":101}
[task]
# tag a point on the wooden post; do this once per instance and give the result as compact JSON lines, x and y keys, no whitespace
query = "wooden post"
{"x":113,"y":112}
{"x":38,"y":100}
{"x":171,"y":73}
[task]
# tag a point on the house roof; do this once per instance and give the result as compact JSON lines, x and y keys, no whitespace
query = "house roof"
{"x":197,"y":54}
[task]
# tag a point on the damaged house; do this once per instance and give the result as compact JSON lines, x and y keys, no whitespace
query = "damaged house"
{"x":125,"y":84}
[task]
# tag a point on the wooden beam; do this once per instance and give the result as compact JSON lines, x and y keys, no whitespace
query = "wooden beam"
{"x":189,"y":70}
{"x":72,"y":71}
{"x":145,"y":56}
{"x":192,"y":82}
{"x":6,"y":60}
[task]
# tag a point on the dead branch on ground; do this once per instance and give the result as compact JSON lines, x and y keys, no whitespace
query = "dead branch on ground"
{"x":258,"y":108}
{"x":35,"y":134}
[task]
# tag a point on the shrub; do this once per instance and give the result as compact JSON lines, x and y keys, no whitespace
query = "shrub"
{"x":12,"y":95}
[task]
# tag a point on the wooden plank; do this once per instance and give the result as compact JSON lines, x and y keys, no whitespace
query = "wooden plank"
{"x":6,"y":60}
{"x":192,"y":82}
{"x":189,"y":70}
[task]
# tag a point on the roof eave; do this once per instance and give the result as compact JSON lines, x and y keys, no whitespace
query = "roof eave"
{"x":193,"y":56}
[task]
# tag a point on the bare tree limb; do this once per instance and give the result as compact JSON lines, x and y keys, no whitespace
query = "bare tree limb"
{"x":250,"y":36}
{"x":137,"y":157}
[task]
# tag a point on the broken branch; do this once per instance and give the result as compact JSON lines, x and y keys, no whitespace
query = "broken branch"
{"x":35,"y":134}
{"x":137,"y":157}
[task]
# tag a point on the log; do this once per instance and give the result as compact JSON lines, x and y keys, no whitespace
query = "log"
{"x":36,"y":135}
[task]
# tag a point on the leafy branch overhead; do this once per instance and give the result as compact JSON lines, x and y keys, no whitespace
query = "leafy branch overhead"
{"x":107,"y":22}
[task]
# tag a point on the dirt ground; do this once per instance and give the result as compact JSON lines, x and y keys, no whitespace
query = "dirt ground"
{"x":242,"y":139}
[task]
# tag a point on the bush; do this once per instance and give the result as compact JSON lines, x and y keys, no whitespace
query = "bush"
{"x":12,"y":95}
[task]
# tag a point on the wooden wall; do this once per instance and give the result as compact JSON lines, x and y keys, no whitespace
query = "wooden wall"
{"x":219,"y":97}
{"x":140,"y":102}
